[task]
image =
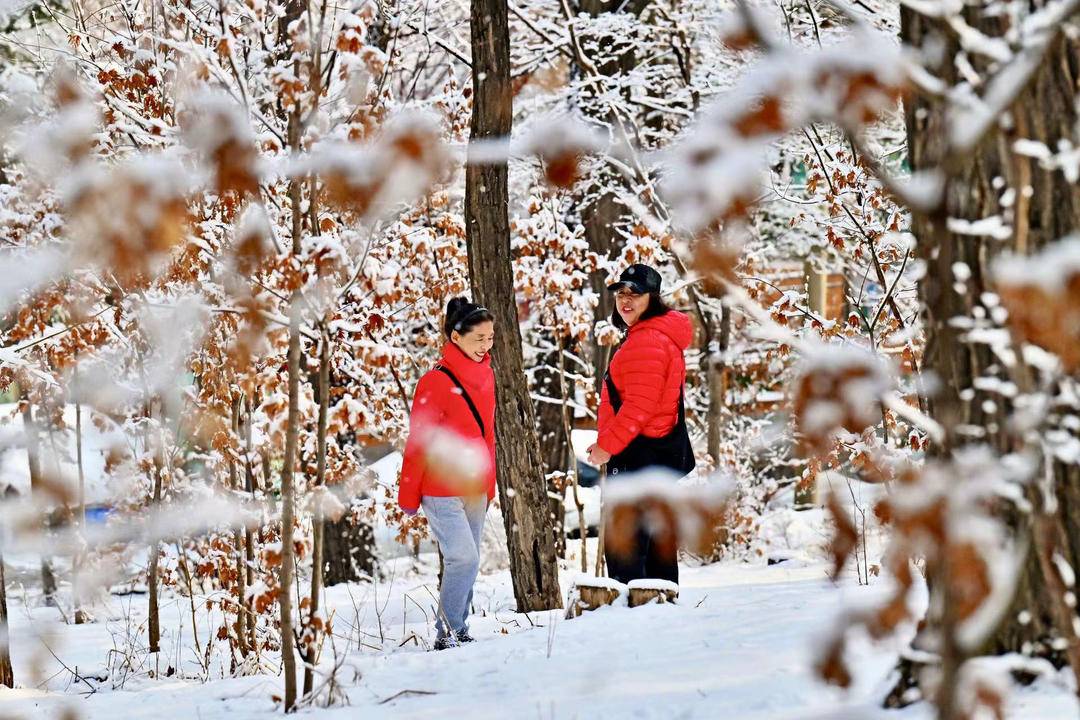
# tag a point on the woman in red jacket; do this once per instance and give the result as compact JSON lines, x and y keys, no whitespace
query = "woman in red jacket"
{"x":449,"y":463}
{"x":642,"y":421}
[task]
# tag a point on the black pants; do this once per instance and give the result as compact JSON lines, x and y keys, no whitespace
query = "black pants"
{"x":645,"y":562}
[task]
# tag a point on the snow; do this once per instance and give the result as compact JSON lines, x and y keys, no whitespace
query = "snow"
{"x":60,"y":457}
{"x":9,"y":8}
{"x":740,"y":644}
{"x":597,"y":582}
{"x":37,"y":267}
{"x":1050,"y":269}
{"x":653,"y":584}
{"x":992,"y":226}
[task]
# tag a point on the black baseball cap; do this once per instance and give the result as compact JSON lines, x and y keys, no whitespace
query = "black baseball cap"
{"x":642,"y":279}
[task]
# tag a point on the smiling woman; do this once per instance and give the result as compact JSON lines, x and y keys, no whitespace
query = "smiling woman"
{"x":470,"y":327}
{"x":642,"y":421}
{"x":449,"y":463}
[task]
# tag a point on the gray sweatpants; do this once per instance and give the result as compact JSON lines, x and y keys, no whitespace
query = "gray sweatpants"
{"x":457,"y":524}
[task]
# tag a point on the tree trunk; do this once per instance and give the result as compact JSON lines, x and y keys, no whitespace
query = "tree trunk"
{"x":80,"y":614}
{"x":33,"y":458}
{"x":7,"y":676}
{"x":318,"y":520}
{"x":242,"y":618}
{"x":600,"y":218}
{"x":285,"y":575}
{"x":348,"y":550}
{"x":153,"y":611}
{"x":554,"y":442}
{"x":566,"y":395}
{"x":1044,"y":112}
{"x":601,"y":210}
{"x":522,"y":489}
{"x":715,"y":370}
{"x":248,"y":569}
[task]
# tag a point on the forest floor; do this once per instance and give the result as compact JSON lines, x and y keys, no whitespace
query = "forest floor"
{"x":740,"y":643}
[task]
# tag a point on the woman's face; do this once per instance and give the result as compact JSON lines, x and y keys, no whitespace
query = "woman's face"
{"x":477,"y":342}
{"x":630,"y":305}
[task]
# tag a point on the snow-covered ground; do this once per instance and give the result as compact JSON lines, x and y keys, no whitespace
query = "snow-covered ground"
{"x":739,"y":644}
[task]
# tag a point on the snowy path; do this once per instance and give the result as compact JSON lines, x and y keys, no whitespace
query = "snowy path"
{"x":738,"y":645}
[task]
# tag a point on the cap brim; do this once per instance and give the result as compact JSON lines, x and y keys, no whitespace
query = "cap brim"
{"x":639,"y":289}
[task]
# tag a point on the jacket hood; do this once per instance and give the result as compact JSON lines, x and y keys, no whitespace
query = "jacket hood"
{"x":674,"y":324}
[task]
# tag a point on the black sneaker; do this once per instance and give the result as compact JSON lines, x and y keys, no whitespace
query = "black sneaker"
{"x":464,"y":637}
{"x":445,"y":643}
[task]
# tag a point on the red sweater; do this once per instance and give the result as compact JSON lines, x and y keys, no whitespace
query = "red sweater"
{"x":648,"y":371}
{"x":438,"y":406}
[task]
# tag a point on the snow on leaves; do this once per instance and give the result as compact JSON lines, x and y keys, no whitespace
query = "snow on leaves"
{"x":692,"y":517}
{"x":1042,"y":296}
{"x":838,"y":389}
{"x":715,"y":172}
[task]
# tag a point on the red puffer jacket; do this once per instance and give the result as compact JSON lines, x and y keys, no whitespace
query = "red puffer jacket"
{"x":438,"y":407}
{"x":648,"y":371}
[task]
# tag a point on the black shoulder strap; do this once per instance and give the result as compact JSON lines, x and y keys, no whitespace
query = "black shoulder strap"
{"x":612,"y":393}
{"x":464,"y":394}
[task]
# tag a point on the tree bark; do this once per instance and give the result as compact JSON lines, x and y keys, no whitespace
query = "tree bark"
{"x":715,"y":369}
{"x":153,"y":611}
{"x":601,"y":209}
{"x":1044,"y":112}
{"x":522,"y":489}
{"x":242,"y":618}
{"x":7,"y":675}
{"x":248,"y":568}
{"x":318,"y":520}
{"x":554,"y":441}
{"x":285,"y":575}
{"x":348,"y":550}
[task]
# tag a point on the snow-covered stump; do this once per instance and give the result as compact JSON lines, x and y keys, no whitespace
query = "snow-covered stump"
{"x":590,"y":592}
{"x":643,"y":592}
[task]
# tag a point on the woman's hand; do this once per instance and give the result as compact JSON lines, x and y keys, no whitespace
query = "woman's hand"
{"x":598,"y":455}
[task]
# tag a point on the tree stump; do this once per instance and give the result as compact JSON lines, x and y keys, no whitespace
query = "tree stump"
{"x":643,"y":592}
{"x":590,"y":593}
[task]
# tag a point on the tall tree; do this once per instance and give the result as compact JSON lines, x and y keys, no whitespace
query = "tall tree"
{"x":522,"y":488}
{"x":554,"y":442}
{"x":982,"y":184}
{"x":318,"y":520}
{"x":603,"y":210}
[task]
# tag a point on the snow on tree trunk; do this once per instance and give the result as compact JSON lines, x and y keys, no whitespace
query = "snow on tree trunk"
{"x":590,"y":593}
{"x":522,"y":487}
{"x":643,"y":592}
{"x":1043,"y":207}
